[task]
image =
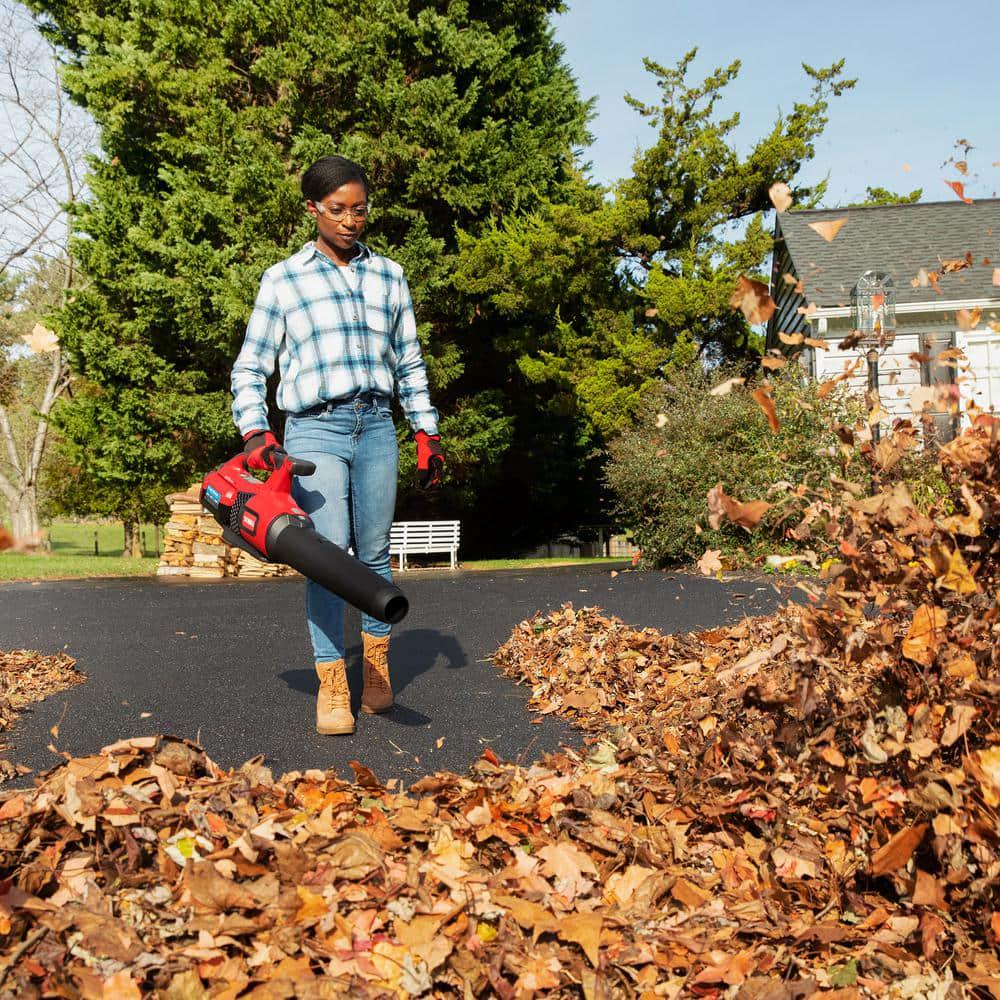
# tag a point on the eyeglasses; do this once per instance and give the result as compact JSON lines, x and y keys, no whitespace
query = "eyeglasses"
{"x":359,"y":213}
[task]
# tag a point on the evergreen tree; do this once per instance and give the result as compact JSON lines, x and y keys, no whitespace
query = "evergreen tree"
{"x":883,"y":196}
{"x":703,"y":202}
{"x":593,"y":300}
{"x":460,"y":110}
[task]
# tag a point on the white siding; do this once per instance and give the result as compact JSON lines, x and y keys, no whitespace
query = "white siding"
{"x":898,"y":375}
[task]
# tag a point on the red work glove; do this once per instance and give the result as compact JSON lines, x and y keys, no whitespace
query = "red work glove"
{"x":430,"y":460}
{"x":263,"y":451}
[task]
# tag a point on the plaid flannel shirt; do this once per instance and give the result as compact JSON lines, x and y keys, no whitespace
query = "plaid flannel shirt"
{"x":331,"y":340}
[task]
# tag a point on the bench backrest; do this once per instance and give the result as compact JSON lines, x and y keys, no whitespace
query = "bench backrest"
{"x":429,"y":535}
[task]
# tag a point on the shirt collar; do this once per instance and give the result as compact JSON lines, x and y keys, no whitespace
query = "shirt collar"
{"x":310,"y":251}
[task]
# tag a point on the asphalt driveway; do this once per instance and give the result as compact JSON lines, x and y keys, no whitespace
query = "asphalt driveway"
{"x":228,"y":664}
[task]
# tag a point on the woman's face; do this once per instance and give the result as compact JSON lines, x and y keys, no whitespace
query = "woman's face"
{"x":340,"y":216}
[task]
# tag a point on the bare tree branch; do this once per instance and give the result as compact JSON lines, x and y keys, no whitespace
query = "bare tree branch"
{"x":40,"y":146}
{"x":41,"y":165}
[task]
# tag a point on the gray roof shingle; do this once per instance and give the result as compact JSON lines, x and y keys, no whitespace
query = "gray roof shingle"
{"x":899,"y":239}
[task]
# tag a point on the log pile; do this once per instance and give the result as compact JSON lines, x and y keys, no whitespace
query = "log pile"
{"x":194,"y":546}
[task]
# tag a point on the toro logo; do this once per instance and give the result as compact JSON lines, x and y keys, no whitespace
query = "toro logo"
{"x":249,"y":521}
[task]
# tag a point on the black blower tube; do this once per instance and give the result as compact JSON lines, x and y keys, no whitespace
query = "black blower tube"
{"x":318,"y":559}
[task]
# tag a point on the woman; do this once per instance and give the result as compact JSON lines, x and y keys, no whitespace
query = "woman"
{"x":338,"y":319}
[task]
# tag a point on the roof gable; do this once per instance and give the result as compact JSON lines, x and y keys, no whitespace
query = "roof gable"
{"x":900,"y":239}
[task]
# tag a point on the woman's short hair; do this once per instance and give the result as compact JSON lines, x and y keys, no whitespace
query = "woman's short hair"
{"x":329,"y":173}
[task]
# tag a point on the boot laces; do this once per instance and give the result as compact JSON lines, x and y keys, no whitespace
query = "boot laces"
{"x":333,"y":688}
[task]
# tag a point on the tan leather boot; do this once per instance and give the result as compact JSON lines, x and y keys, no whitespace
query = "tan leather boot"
{"x":377,"y":694}
{"x":333,"y":706}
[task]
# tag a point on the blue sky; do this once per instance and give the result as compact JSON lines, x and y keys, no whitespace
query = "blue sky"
{"x":927,"y":76}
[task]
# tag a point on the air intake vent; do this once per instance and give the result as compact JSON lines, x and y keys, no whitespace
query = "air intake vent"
{"x":236,"y":511}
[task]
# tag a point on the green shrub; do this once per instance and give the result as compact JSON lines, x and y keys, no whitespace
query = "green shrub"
{"x":687,"y":441}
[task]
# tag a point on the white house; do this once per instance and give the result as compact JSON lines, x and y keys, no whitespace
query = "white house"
{"x":942,"y":257}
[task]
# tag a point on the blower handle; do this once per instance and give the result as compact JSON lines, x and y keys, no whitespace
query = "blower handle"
{"x":280,"y":479}
{"x":300,"y":466}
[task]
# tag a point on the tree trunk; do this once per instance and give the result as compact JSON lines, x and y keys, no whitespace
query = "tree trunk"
{"x":24,"y":517}
{"x":132,"y":550}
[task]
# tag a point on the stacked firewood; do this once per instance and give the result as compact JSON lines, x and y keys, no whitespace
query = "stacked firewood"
{"x":194,"y":546}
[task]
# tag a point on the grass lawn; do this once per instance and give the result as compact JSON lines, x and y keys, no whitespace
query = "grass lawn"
{"x":73,"y":554}
{"x":540,"y":563}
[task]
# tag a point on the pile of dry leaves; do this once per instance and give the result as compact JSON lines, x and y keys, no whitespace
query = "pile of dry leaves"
{"x":801,"y":803}
{"x":26,"y":677}
{"x":835,"y":768}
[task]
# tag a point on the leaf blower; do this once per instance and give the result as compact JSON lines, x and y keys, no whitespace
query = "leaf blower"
{"x":261,"y":518}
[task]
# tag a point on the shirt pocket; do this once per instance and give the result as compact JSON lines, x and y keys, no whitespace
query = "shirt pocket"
{"x":378,"y":310}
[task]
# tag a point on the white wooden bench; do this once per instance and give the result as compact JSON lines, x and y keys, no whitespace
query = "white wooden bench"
{"x":420,"y":537}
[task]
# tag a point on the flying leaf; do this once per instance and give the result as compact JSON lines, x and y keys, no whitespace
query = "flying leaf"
{"x":925,"y":634}
{"x":41,"y":340}
{"x":959,"y":188}
{"x":968,"y":319}
{"x":996,"y":276}
{"x":956,"y":575}
{"x":363,"y":775}
{"x":792,"y":339}
{"x":724,"y":388}
{"x":762,"y":397}
{"x":960,"y":264}
{"x":891,"y":856}
{"x":923,"y":397}
{"x":752,"y":299}
{"x":829,"y":229}
{"x":988,"y":764}
{"x":772,"y":363}
{"x":710,"y":564}
{"x":780,"y":195}
{"x":965,"y":524}
{"x":746,"y":515}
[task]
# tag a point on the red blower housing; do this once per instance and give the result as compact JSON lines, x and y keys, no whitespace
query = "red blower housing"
{"x":262,"y":518}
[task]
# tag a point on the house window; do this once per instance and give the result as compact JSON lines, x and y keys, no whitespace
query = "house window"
{"x":940,"y":426}
{"x":981,"y":386}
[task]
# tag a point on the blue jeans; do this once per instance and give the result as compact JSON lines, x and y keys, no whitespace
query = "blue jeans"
{"x":351,"y":498}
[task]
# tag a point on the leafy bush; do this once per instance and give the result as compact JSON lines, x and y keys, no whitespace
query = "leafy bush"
{"x":688,"y":440}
